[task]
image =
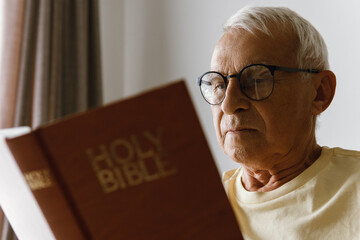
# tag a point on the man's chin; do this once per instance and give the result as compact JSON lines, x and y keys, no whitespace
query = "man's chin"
{"x":247,"y":154}
{"x":238,"y":154}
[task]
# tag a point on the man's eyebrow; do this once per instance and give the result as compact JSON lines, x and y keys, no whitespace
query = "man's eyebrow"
{"x":250,"y":62}
{"x":238,"y":68}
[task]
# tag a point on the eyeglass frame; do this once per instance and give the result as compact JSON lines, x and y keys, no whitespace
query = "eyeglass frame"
{"x":272,"y":69}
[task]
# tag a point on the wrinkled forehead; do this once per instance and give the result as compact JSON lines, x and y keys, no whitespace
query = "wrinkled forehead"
{"x":238,"y":48}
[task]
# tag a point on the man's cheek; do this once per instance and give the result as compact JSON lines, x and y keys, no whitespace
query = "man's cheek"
{"x":216,"y":120}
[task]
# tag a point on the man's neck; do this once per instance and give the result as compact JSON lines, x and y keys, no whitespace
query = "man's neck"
{"x":268,"y":180}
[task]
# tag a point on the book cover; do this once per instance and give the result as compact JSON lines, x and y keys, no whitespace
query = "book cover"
{"x":134,"y":169}
{"x":16,"y":199}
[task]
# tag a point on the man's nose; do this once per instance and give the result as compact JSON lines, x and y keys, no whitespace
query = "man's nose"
{"x":234,"y":100}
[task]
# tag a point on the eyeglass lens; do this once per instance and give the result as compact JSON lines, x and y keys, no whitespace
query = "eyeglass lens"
{"x":256,"y":83}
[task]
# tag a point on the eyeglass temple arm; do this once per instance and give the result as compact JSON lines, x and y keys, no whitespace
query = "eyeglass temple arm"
{"x":295,"y":69}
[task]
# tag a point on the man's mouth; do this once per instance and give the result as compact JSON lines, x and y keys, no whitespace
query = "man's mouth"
{"x":240,"y":130}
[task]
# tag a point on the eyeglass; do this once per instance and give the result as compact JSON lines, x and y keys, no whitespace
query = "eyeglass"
{"x":256,"y":82}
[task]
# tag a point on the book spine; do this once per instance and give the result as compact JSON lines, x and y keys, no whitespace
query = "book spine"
{"x":41,"y":178}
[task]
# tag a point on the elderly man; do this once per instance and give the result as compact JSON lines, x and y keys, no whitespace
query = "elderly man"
{"x":269,"y":81}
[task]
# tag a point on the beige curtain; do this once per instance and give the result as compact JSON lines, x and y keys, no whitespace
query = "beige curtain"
{"x":50,"y":63}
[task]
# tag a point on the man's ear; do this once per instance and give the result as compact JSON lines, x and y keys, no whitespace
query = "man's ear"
{"x":325,"y":84}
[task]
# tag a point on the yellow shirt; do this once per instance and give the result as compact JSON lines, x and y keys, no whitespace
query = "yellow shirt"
{"x":323,"y":202}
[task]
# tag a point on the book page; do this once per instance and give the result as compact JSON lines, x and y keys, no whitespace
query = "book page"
{"x":16,"y":199}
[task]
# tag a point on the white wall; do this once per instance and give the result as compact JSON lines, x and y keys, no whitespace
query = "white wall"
{"x":149,"y":42}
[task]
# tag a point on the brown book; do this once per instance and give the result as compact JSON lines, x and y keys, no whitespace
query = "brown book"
{"x":1,"y":221}
{"x":134,"y":169}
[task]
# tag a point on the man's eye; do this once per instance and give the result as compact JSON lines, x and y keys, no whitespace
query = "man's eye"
{"x":218,"y":86}
{"x":254,"y":81}
{"x":259,"y":80}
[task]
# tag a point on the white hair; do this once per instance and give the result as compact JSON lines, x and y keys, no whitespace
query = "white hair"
{"x":312,"y":51}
